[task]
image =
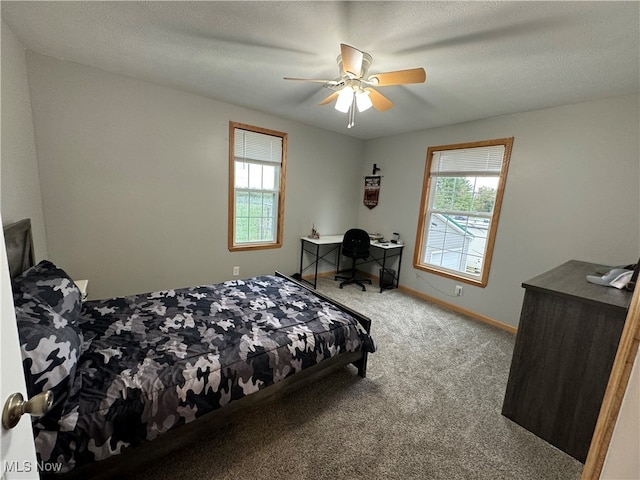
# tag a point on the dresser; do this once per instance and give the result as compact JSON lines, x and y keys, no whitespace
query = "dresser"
{"x":565,"y":347}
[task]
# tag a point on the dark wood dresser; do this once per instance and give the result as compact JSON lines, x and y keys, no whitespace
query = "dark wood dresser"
{"x":565,"y":346}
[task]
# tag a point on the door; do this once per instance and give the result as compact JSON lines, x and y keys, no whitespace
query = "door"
{"x":17,"y":451}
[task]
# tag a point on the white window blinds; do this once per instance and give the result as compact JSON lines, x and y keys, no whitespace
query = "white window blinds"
{"x":254,"y":146}
{"x":485,"y":160}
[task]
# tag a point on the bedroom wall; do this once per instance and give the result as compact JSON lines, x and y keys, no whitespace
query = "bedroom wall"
{"x":20,"y":195}
{"x":572,"y":193}
{"x":134,"y":181}
{"x":623,"y":457}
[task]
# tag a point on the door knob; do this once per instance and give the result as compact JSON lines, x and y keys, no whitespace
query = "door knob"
{"x":15,"y":407}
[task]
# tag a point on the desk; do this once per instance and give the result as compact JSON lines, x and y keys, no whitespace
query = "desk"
{"x":312,"y":245}
{"x":331,"y":255}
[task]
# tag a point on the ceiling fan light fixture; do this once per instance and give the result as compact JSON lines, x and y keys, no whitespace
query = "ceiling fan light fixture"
{"x":363,"y":101}
{"x":353,"y":90}
{"x":345,"y":100}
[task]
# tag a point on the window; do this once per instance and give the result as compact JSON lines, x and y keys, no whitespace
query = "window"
{"x":256,"y":187}
{"x":460,"y":206}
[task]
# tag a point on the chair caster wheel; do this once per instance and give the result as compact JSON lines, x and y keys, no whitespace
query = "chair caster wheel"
{"x":340,"y":287}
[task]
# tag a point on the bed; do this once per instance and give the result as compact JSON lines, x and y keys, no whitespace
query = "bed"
{"x":129,"y":369}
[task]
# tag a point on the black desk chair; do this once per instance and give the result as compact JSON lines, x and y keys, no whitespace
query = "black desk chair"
{"x":355,"y":245}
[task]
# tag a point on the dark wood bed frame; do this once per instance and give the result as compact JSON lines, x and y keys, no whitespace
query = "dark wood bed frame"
{"x":20,"y":255}
{"x":19,"y":244}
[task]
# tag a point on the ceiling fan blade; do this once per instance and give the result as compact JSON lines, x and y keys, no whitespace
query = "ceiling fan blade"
{"x":315,"y":80}
{"x":351,"y":59}
{"x":329,"y":99}
{"x":399,"y":77}
{"x":380,"y":102}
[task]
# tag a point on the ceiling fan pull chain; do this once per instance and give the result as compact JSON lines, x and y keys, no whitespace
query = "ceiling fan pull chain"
{"x":352,"y":113}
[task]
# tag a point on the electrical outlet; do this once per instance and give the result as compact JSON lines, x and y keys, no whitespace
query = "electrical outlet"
{"x":236,"y":271}
{"x":458,"y":290}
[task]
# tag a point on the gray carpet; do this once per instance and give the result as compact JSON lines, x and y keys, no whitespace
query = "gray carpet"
{"x":428,"y":409}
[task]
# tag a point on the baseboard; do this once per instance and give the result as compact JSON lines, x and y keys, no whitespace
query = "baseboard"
{"x":449,"y":306}
{"x":320,"y":275}
{"x":458,"y":309}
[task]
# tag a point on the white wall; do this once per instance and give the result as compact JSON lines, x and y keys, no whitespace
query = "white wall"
{"x":572,"y":193}
{"x":623,"y":457}
{"x":20,"y":191}
{"x":135,"y":178}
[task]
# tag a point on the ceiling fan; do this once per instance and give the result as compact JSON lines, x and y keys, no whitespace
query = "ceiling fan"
{"x":354,"y":88}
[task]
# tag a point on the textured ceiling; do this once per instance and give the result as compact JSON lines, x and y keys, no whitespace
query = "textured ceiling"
{"x":483,"y":59}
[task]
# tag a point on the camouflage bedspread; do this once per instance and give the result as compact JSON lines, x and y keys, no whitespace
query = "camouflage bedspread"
{"x":149,"y":363}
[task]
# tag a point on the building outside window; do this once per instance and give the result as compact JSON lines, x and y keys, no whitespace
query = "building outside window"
{"x":460,"y":206}
{"x":256,"y":187}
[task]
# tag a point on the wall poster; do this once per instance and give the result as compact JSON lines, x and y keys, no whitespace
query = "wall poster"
{"x":371,"y":190}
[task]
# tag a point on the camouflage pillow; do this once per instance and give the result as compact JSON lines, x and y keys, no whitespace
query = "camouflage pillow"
{"x":50,"y":347}
{"x":50,"y":285}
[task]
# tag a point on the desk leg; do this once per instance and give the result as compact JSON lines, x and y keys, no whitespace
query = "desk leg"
{"x":384,"y":268}
{"x":315,"y":278}
{"x":301,"y":256}
{"x":399,"y":266}
{"x":395,"y":282}
{"x":316,"y":261}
